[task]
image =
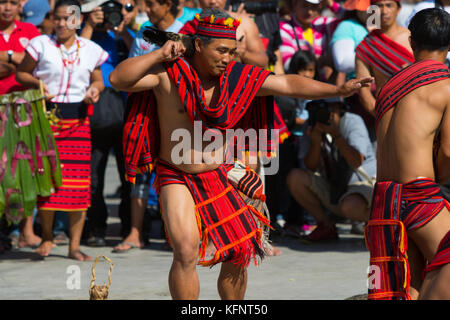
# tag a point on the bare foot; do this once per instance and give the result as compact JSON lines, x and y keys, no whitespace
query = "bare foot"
{"x":272,"y":251}
{"x":44,"y":248}
{"x":129,"y":243}
{"x":29,"y":241}
{"x":210,"y":250}
{"x":78,"y":255}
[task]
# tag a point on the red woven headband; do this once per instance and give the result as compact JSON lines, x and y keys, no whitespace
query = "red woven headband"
{"x":375,"y":1}
{"x":217,"y":28}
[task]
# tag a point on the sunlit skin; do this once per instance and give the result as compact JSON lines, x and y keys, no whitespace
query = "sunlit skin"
{"x":216,"y":56}
{"x":147,"y":72}
{"x":405,"y":138}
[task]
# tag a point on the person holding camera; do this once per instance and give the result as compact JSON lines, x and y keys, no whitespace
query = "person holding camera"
{"x":162,"y":15}
{"x":109,"y":24}
{"x":116,"y":16}
{"x":340,"y":168}
{"x":292,"y":151}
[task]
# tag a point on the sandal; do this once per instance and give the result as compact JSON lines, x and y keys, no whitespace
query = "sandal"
{"x":126,"y":243}
{"x":61,"y":239}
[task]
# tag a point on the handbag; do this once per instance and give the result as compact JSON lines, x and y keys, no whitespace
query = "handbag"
{"x":108,"y":111}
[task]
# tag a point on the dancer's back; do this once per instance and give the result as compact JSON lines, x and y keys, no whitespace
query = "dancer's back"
{"x":406,"y":132}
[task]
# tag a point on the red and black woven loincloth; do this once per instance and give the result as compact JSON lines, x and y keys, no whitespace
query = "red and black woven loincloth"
{"x":441,"y":257}
{"x":222,"y":215}
{"x":397,"y":208}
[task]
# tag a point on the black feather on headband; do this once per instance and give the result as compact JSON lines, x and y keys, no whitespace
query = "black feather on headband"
{"x":159,"y":37}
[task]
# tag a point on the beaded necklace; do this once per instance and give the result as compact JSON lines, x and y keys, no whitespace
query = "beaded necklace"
{"x":69,"y":64}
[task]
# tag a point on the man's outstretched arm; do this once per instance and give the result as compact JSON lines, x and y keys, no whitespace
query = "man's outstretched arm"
{"x":297,"y":86}
{"x":366,"y":97}
{"x":142,"y":73}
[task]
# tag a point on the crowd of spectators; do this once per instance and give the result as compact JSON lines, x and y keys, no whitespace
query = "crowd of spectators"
{"x":327,"y":164}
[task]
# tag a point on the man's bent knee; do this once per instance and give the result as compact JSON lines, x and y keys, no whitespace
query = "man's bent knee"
{"x":297,"y":177}
{"x":186,"y":255}
{"x":435,"y":284}
{"x":354,"y":206}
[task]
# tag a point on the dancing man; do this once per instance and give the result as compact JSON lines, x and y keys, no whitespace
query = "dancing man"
{"x":410,"y":220}
{"x":197,"y":200}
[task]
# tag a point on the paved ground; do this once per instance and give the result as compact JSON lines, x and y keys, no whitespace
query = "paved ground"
{"x":333,"y":271}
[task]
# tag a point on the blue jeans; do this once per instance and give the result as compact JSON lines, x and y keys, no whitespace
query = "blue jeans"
{"x":60,"y":223}
{"x":15,"y":231}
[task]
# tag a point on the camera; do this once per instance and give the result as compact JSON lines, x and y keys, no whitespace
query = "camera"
{"x":256,"y":7}
{"x":112,"y":11}
{"x":319,"y":111}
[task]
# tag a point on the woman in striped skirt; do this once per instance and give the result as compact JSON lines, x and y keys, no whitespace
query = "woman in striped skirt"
{"x":69,"y":67}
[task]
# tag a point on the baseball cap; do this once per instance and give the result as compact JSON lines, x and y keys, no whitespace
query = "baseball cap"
{"x":375,"y":1}
{"x":34,"y":11}
{"x":90,"y":5}
{"x":360,"y":5}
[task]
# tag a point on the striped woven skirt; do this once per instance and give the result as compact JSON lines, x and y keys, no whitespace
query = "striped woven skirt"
{"x":73,"y":142}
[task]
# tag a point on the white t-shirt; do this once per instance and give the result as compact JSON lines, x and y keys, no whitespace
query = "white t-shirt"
{"x":421,"y":6}
{"x":68,"y":80}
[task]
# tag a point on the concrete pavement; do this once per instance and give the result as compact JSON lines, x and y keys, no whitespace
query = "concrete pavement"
{"x":333,"y":271}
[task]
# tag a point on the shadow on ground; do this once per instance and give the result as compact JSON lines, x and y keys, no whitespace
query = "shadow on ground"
{"x":346,"y":243}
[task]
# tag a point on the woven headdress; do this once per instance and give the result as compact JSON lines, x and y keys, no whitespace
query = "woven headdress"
{"x":217,"y":27}
{"x":375,"y":1}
